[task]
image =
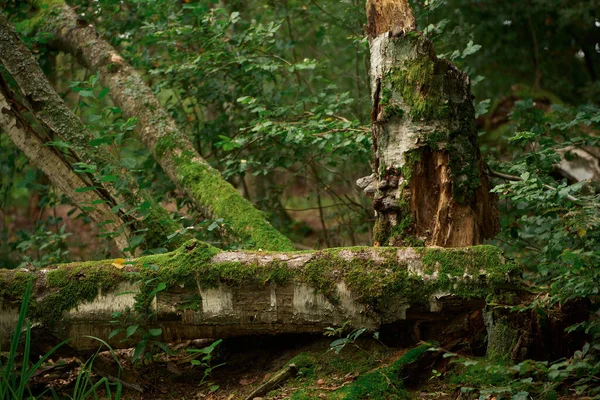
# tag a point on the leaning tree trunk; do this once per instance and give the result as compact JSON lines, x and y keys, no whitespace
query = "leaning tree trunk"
{"x":157,"y":130}
{"x":58,"y":170}
{"x":57,"y":119}
{"x":429,"y":186}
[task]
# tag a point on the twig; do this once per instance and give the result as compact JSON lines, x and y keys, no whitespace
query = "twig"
{"x":280,"y":377}
{"x":517,"y":179}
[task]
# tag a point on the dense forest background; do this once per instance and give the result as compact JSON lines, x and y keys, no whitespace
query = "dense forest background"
{"x":276,"y":96}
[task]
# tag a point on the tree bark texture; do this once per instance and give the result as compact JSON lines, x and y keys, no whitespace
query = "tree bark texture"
{"x":199,"y":291}
{"x":429,"y":186}
{"x":58,"y":170}
{"x":54,"y":115}
{"x":174,"y":152}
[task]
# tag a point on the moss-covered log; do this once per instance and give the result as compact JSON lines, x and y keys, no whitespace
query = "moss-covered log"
{"x":429,"y":185}
{"x":199,"y":291}
{"x":171,"y":148}
{"x":59,"y":121}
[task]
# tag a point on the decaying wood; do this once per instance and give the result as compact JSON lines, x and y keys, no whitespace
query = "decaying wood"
{"x":393,"y":16}
{"x":286,"y":373}
{"x":225,"y":294}
{"x":429,"y":185}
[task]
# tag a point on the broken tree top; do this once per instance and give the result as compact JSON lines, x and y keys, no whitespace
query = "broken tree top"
{"x":201,"y":291}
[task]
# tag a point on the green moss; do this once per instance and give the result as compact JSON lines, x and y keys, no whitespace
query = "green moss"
{"x":471,"y":272}
{"x":418,"y":82}
{"x":372,"y":275}
{"x":437,"y":139}
{"x":410,"y":159}
{"x":208,"y":187}
{"x":381,"y":232}
{"x":402,"y":233}
{"x":305,"y":363}
{"x":46,"y":9}
{"x":482,"y":374}
{"x":71,"y":285}
{"x":113,"y":67}
{"x":13,"y":285}
{"x":183,"y":266}
{"x":318,"y":363}
{"x":464,"y":167}
{"x":193,"y":303}
{"x":392,"y":110}
{"x":502,"y":338}
{"x":164,"y":144}
{"x":386,"y":382}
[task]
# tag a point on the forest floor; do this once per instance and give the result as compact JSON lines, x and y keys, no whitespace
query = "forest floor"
{"x":245,"y":364}
{"x":249,"y":362}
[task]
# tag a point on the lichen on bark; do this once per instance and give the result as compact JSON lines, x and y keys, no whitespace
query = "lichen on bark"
{"x":429,"y":185}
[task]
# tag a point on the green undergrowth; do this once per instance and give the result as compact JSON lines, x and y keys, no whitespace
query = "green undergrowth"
{"x":386,"y":382}
{"x":370,"y":371}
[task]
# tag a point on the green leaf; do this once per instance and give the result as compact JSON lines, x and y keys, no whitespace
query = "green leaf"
{"x":94,"y":79}
{"x":103,"y":93}
{"x":482,"y":108}
{"x":86,"y":189}
{"x":155,"y":331}
{"x":139,"y":350}
{"x":100,"y":141}
{"x":135,"y":241}
{"x":131,"y":329}
{"x":109,"y":178}
{"x":86,"y":93}
{"x":128,"y":163}
{"x":159,"y":288}
{"x":114,"y":333}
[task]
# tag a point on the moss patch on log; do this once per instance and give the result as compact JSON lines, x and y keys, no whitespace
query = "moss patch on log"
{"x":372,"y":275}
{"x":71,"y":285}
{"x":13,"y":285}
{"x":207,"y":185}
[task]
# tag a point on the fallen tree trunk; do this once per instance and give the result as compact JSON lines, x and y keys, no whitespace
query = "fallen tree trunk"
{"x":199,"y":291}
{"x":157,"y":130}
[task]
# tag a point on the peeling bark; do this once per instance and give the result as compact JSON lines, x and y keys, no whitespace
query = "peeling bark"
{"x":215,"y":294}
{"x":177,"y":156}
{"x":54,"y":115}
{"x":429,"y":187}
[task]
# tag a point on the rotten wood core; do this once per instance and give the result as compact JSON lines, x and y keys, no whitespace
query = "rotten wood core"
{"x":393,"y":16}
{"x":429,"y":186}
